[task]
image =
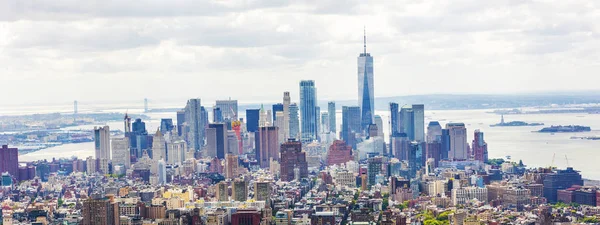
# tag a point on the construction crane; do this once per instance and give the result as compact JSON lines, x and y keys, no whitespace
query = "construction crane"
{"x":567,"y":159}
{"x":552,"y":165}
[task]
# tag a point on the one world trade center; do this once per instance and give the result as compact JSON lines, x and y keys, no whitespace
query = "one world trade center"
{"x":366,"y":99}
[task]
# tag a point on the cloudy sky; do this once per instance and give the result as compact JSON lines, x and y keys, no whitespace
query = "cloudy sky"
{"x":62,"y":50}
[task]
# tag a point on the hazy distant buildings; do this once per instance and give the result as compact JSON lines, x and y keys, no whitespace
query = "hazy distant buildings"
{"x":229,"y":109}
{"x":308,"y":110}
{"x":159,"y":150}
{"x":366,"y":97}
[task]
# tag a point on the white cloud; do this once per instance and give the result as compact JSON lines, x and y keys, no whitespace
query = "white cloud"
{"x":57,"y":51}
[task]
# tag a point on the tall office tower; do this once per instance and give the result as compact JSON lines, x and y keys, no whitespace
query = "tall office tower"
{"x":419,"y":122}
{"x":231,"y":166}
{"x":374,"y":168}
{"x":407,"y":122}
{"x":232,"y":143}
{"x":379,"y":123}
{"x":263,"y":119}
{"x":166,"y":125}
{"x":180,"y":122}
{"x":252,"y":119}
{"x":560,"y":180}
{"x":400,"y":146}
{"x":458,"y":141}
{"x":332,"y":114}
{"x":222,"y":192}
{"x":102,"y":146}
{"x":127,"y":124}
{"x":339,"y":153}
{"x":286,"y":115}
{"x":120,"y":152}
{"x":229,"y":108}
{"x":294,"y":121}
{"x":176,"y":152}
{"x":279,"y":123}
{"x":159,"y":150}
{"x":100,"y":211}
{"x":325,"y":122}
{"x":90,"y":165}
{"x":162,"y":171}
{"x":308,"y":110}
{"x":217,"y":115}
{"x":262,"y":190}
{"x":434,"y":151}
{"x":318,"y":120}
{"x":277,"y":108}
{"x":216,"y":140}
{"x":145,"y":105}
{"x":350,"y":124}
{"x":292,"y":158}
{"x":269,"y":117}
{"x":239,"y":190}
{"x":194,"y":124}
{"x":366,"y":96}
{"x":434,"y":132}
{"x":445,"y":149}
{"x":9,"y":160}
{"x":267,"y":145}
{"x":394,"y":120}
{"x":479,"y":146}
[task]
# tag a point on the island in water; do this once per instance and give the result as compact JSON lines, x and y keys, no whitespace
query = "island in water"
{"x":565,"y":129}
{"x":514,"y":123}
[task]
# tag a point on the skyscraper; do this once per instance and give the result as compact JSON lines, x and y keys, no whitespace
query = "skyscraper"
{"x":279,"y":123}
{"x":373,"y":168}
{"x":308,"y":110}
{"x":229,"y":109}
{"x":407,"y":122}
{"x":350,"y":124}
{"x":195,"y":124}
{"x":102,"y":146}
{"x":324,"y":122}
{"x":379,"y":122}
{"x":127,"y":124}
{"x":458,"y":141}
{"x":162,"y":171}
{"x":292,"y":159}
{"x":217,"y":115}
{"x":166,"y":125}
{"x":419,"y":122}
{"x":445,"y":149}
{"x":9,"y":160}
{"x":159,"y":150}
{"x":252,"y":118}
{"x":267,"y":145}
{"x":294,"y":121}
{"x":331,"y":113}
{"x":479,"y":146}
{"x":394,"y":121}
{"x":262,"y":190}
{"x":231,"y":166}
{"x":286,"y":115}
{"x":559,"y":180}
{"x":263,"y":119}
{"x":366,"y":96}
{"x":318,"y":121}
{"x":216,"y":140}
{"x":277,"y":108}
{"x":434,"y":132}
{"x":180,"y":122}
{"x":120,"y":152}
{"x":239,"y":190}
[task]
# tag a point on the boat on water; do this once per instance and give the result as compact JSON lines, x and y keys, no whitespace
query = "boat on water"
{"x":514,"y":123}
{"x":565,"y":129}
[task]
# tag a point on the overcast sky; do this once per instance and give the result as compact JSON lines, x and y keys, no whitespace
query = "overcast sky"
{"x":62,"y":50}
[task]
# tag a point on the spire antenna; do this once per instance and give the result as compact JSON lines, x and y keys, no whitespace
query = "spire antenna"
{"x":365,"y":38}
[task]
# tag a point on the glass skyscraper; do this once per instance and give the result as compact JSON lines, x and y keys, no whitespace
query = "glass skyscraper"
{"x":294,"y":121}
{"x":195,"y":124}
{"x":394,"y":124}
{"x":366,"y":97}
{"x":331,"y":113}
{"x":308,"y":110}
{"x":350,"y":124}
{"x":252,"y":117}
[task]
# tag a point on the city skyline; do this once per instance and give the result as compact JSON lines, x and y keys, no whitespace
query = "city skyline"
{"x":436,"y":47}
